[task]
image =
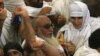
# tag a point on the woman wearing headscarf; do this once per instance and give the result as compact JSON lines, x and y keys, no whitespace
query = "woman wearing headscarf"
{"x":75,"y":34}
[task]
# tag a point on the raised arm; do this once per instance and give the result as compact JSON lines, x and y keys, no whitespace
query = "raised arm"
{"x":2,"y":18}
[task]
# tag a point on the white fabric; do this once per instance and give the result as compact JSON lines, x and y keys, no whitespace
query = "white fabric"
{"x":8,"y":33}
{"x":76,"y":14}
{"x":32,"y":11}
{"x":86,"y":13}
{"x":60,"y":7}
{"x":80,"y":36}
{"x":94,"y":54}
{"x":37,"y":38}
{"x":95,"y":23}
{"x":75,"y":10}
{"x":11,"y":4}
{"x":77,"y":36}
{"x":79,"y":7}
{"x":86,"y":51}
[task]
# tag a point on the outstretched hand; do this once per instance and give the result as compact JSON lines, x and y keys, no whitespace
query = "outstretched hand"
{"x":45,"y":10}
{"x":3,"y":13}
{"x":20,"y":11}
{"x":37,"y":44}
{"x":70,"y":47}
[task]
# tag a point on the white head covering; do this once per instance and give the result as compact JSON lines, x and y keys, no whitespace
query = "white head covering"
{"x":11,"y":4}
{"x":78,"y":9}
{"x":80,"y":36}
{"x":75,"y":10}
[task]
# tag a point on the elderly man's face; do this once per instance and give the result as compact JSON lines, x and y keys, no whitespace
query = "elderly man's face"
{"x":46,"y":27}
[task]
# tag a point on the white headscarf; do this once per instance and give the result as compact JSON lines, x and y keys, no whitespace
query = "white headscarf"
{"x":80,"y":9}
{"x":77,"y":36}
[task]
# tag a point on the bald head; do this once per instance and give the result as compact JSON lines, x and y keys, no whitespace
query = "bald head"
{"x":41,"y":20}
{"x":43,"y":26}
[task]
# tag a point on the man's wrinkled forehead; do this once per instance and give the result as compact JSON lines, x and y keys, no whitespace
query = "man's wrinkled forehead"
{"x":43,"y":20}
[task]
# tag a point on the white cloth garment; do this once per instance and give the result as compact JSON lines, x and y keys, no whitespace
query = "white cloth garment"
{"x":32,"y":11}
{"x":60,"y":7}
{"x":95,"y":23}
{"x":77,"y":36}
{"x":11,"y":4}
{"x":86,"y":51}
{"x":8,"y":33}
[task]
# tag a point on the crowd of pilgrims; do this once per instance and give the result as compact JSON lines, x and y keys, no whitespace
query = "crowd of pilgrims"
{"x":49,"y":28}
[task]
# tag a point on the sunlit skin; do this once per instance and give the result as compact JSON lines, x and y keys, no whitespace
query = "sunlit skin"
{"x":77,"y":22}
{"x":1,"y":52}
{"x":42,"y":22}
